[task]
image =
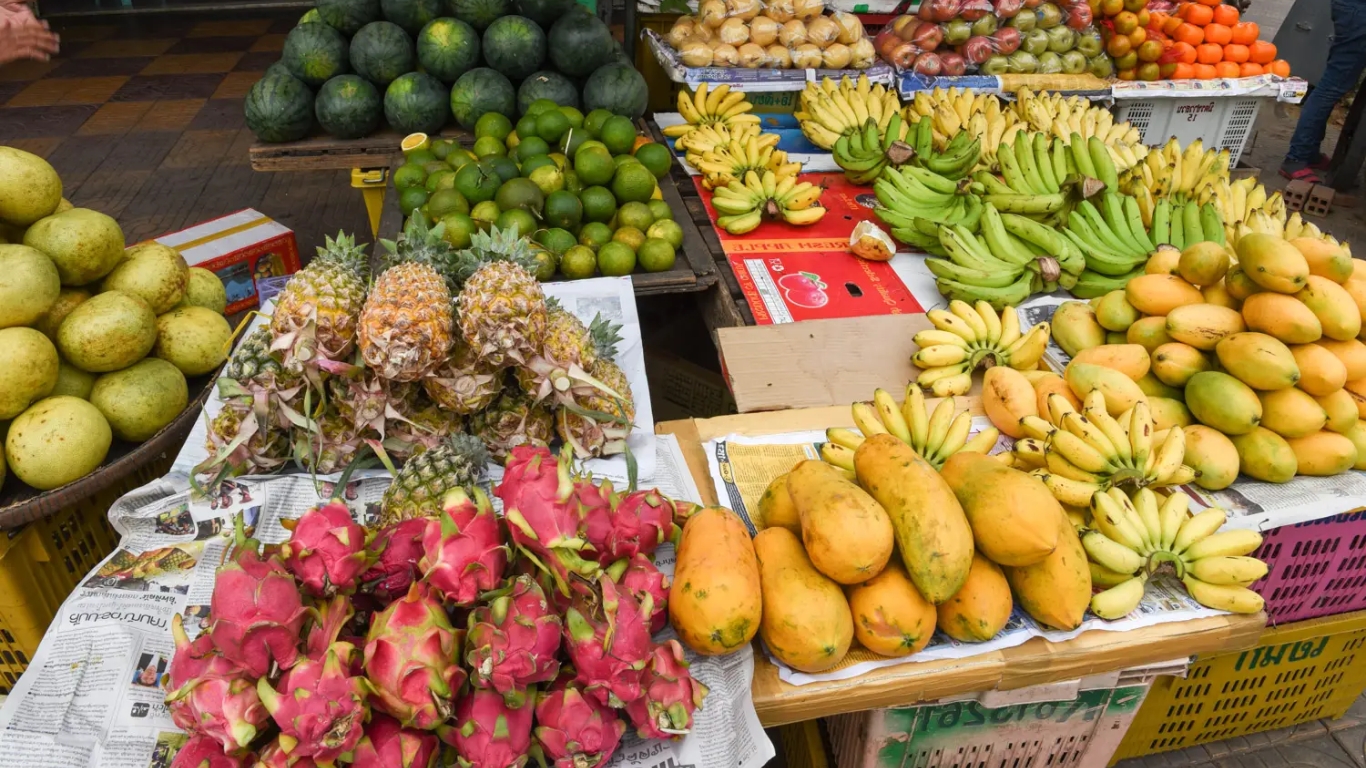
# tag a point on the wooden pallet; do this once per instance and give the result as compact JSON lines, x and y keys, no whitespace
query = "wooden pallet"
{"x":322,"y":152}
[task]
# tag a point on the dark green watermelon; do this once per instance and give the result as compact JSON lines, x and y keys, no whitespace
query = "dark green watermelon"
{"x":278,"y":68}
{"x":543,"y":12}
{"x":617,"y":88}
{"x":381,"y":51}
{"x":315,"y":53}
{"x":479,"y":13}
{"x":515,"y":46}
{"x":348,"y":16}
{"x":310,"y":15}
{"x":348,"y":107}
{"x":480,"y":91}
{"x":580,"y":43}
{"x":279,"y":107}
{"x":417,"y":103}
{"x":447,"y":48}
{"x":547,"y":84}
{"x":412,"y":15}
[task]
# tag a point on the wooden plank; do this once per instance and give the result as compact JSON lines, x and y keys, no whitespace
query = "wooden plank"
{"x":321,"y":152}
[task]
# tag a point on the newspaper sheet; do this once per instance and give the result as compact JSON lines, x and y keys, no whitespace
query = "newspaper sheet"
{"x":92,"y":695}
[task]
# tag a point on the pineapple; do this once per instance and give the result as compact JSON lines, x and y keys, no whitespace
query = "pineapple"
{"x":514,"y":419}
{"x":238,"y":444}
{"x":605,"y":421}
{"x":331,"y":447}
{"x":426,"y":427}
{"x":567,"y":351}
{"x":406,"y":326}
{"x":367,"y":402}
{"x":502,"y":307}
{"x":464,"y":384}
{"x":458,"y":462}
{"x":249,"y":436}
{"x":316,"y":314}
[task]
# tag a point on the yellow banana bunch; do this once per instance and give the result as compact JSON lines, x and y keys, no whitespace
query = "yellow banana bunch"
{"x":829,"y":109}
{"x":1296,"y":226}
{"x":743,"y":204}
{"x":708,"y":106}
{"x":1193,"y":173}
{"x":704,"y":138}
{"x":955,"y":110}
{"x":966,"y":336}
{"x":935,"y":435}
{"x":727,"y":162}
{"x":1061,"y":116}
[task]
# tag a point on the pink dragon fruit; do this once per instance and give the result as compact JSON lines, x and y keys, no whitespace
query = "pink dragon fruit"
{"x":256,"y":611}
{"x":321,"y":709}
{"x":609,"y":646}
{"x":210,"y":695}
{"x":273,"y":756}
{"x":574,"y":730}
{"x":205,"y":752}
{"x":464,"y":554}
{"x":635,"y":523}
{"x":326,"y":551}
{"x":513,"y":640}
{"x":640,"y":577}
{"x":410,"y":658}
{"x":488,"y":733}
{"x":542,"y":515}
{"x":671,"y":695}
{"x":396,"y":550}
{"x":386,"y":744}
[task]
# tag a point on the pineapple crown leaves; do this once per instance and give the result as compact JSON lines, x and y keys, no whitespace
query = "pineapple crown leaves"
{"x":606,"y":335}
{"x":421,"y":244}
{"x":494,"y":245}
{"x":344,"y":250}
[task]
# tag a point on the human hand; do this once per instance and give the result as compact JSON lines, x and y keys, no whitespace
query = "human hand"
{"x":24,"y":37}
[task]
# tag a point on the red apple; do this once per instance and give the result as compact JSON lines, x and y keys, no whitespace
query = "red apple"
{"x":928,"y":64}
{"x":954,"y":64}
{"x":978,"y":49}
{"x":903,"y":56}
{"x":1079,"y":17}
{"x":1007,"y":40}
{"x":928,"y":37}
{"x":1008,"y":9}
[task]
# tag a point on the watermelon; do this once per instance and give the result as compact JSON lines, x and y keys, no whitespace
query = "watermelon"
{"x":279,"y":107}
{"x":447,"y":48}
{"x":617,"y":88}
{"x":546,"y":84}
{"x":310,"y":15}
{"x":515,"y":46}
{"x":348,"y":16}
{"x":417,"y":103}
{"x":580,"y":43}
{"x":348,"y":107}
{"x":381,"y":51}
{"x":543,"y":12}
{"x":479,"y":13}
{"x":479,"y":91}
{"x":279,"y":68}
{"x":315,"y":53}
{"x":412,"y":15}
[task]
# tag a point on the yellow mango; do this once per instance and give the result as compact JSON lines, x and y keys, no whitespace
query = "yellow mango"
{"x":1007,"y":397}
{"x":1129,"y":359}
{"x":1149,"y":332}
{"x":1291,"y":413}
{"x":1340,"y":409}
{"x":980,"y":610}
{"x":1272,"y":263}
{"x":891,"y":617}
{"x":1239,"y":285}
{"x":1163,"y":261}
{"x":715,"y":600}
{"x":1115,"y":313}
{"x":1153,"y":387}
{"x":776,"y":508}
{"x":1219,"y":296}
{"x":1357,"y":290}
{"x":1356,"y":388}
{"x":1119,"y":390}
{"x":1266,"y":456}
{"x":1333,"y":306}
{"x":1258,"y":360}
{"x":1116,"y":337}
{"x":1321,"y":372}
{"x":1324,"y":258}
{"x":1168,"y":413}
{"x":806,"y":622}
{"x":846,"y":532}
{"x":1282,"y":316}
{"x":1213,"y":457}
{"x":1323,"y":454}
{"x":1174,"y":364}
{"x":1352,"y":353}
{"x":1056,"y":590}
{"x":1203,"y":325}
{"x":1218,"y":400}
{"x":1075,"y":327}
{"x":1160,"y":294}
{"x":1357,"y":434}
{"x":1203,"y":264}
{"x":1009,"y":511}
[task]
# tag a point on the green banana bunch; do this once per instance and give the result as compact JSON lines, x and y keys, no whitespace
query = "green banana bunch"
{"x":1112,"y":237}
{"x":958,"y":157}
{"x":862,"y":154}
{"x":973,"y":273}
{"x":1188,"y":223}
{"x":909,"y":192}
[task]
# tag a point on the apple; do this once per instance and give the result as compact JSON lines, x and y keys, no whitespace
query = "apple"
{"x":928,"y":64}
{"x":1049,"y":15}
{"x":954,"y":64}
{"x":957,"y":32}
{"x":1023,"y":63}
{"x":903,"y":56}
{"x":1050,"y":63}
{"x":944,"y":10}
{"x":1089,"y":43}
{"x":1024,"y":21}
{"x":1007,"y":40}
{"x":996,"y":65}
{"x":1061,"y":39}
{"x":1074,"y":62}
{"x":1080,"y":17}
{"x":984,"y":26}
{"x":978,"y":49}
{"x":1101,"y":66}
{"x":1035,"y":42}
{"x":1008,"y":9}
{"x":1032,"y":4}
{"x":928,"y":37}
{"x":972,"y":10}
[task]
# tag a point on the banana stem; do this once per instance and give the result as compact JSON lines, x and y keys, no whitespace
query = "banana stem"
{"x":1157,"y":559}
{"x":900,"y":153}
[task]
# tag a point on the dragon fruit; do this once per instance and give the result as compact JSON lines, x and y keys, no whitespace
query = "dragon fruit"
{"x":513,"y":640}
{"x":205,"y":752}
{"x":386,"y":744}
{"x":575,"y":731}
{"x":463,"y":552}
{"x":210,"y":695}
{"x":410,"y":658}
{"x":542,"y":515}
{"x":397,"y":550}
{"x":609,"y":645}
{"x":256,"y":611}
{"x":636,"y":523}
{"x":671,"y":695}
{"x":275,"y":757}
{"x":329,"y":619}
{"x":326,"y":551}
{"x":321,"y":709}
{"x":640,"y":577}
{"x":489,"y":733}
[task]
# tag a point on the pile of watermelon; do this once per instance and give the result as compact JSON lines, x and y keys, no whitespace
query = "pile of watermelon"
{"x":352,"y":66}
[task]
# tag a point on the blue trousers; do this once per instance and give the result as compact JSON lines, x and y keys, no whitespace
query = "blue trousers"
{"x":1346,"y":60}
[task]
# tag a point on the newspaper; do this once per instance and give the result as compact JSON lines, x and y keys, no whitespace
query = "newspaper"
{"x":92,"y":695}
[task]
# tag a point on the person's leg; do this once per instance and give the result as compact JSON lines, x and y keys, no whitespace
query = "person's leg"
{"x":1346,"y":60}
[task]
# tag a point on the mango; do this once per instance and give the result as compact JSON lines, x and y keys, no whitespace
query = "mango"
{"x":1163,"y":261}
{"x":1272,"y":263}
{"x":776,"y":508}
{"x":1168,"y":413}
{"x":1051,"y":383}
{"x":1284,"y":317}
{"x":1239,"y":285}
{"x":1203,"y":325}
{"x":1321,"y":372}
{"x":1323,"y":454}
{"x":1356,"y":388}
{"x":1007,"y":397}
{"x":1218,"y":400}
{"x":1129,"y":359}
{"x":1115,"y":313}
{"x":1116,"y":337}
{"x":980,"y":610}
{"x":1333,"y":306}
{"x":891,"y":617}
{"x":1075,"y":327}
{"x":806,"y":620}
{"x":1160,"y":294}
{"x":1010,"y":512}
{"x":1175,"y":363}
{"x":1357,"y":290}
{"x":1357,"y":434}
{"x":1153,"y":387}
{"x":1266,"y":456}
{"x":1340,"y":409}
{"x":1258,"y":360}
{"x":1213,"y":457}
{"x":1219,"y":296}
{"x":846,"y":532}
{"x":1119,"y":390}
{"x":1292,"y":413}
{"x":1149,"y":332}
{"x":715,"y":600}
{"x":1203,"y":264}
{"x":1324,"y":258}
{"x":1056,"y":590}
{"x":1352,"y":353}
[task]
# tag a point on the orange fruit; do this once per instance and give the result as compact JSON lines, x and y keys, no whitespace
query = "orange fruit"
{"x":1245,"y":32}
{"x":1210,"y":2}
{"x":1182,"y":53}
{"x":1209,"y":53}
{"x":1171,"y":24}
{"x":1261,"y":52}
{"x":1144,"y":18}
{"x":1227,"y":69}
{"x":1199,"y":15}
{"x":1225,"y":14}
{"x":1204,"y":71}
{"x":1189,"y":34}
{"x":1235,"y":53}
{"x":1118,"y":46}
{"x":1183,"y":72}
{"x":1218,"y":34}
{"x":1279,"y":68}
{"x":1138,"y":37}
{"x":1149,"y":71}
{"x":1127,"y":61}
{"x":1125,"y":23}
{"x":1150,"y":50}
{"x":1250,"y":70}
{"x":1127,"y":74}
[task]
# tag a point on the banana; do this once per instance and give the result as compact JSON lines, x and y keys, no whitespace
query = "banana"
{"x":1149,"y":513}
{"x":1076,"y":493}
{"x":1111,"y":520}
{"x":1078,"y":425}
{"x":1172,"y":515}
{"x":1059,"y":408}
{"x":866,"y":419}
{"x":1236,"y":543}
{"x":969,"y":315}
{"x":1010,"y":327}
{"x":1026,"y":352}
{"x":1110,"y":554}
{"x":982,"y":442}
{"x":949,"y":386}
{"x":1120,"y":600}
{"x":1104,"y":577}
{"x":1229,"y":570}
{"x":838,"y":455}
{"x":940,"y":420}
{"x":1131,"y":517}
{"x":1198,"y":527}
{"x":1225,"y":598}
{"x":1140,"y":435}
{"x":929,"y":338}
{"x":954,"y":439}
{"x":846,"y":438}
{"x":1038,"y":429}
{"x":1169,"y":456}
{"x":1030,"y":452}
{"x":1114,"y":433}
{"x":890,"y":415}
{"x":947,"y":321}
{"x":991,"y":320}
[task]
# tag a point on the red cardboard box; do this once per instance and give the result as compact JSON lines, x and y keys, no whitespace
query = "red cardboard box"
{"x":845,"y":206}
{"x":240,"y":248}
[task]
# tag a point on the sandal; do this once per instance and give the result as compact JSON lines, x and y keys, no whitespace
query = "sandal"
{"x":1302,"y":174}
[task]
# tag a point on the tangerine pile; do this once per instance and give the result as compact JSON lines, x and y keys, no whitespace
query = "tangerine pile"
{"x":1207,"y":39}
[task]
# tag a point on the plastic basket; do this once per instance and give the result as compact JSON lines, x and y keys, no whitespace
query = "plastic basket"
{"x":43,"y":561}
{"x":1221,"y":122}
{"x":1315,"y":569}
{"x":1300,"y":672}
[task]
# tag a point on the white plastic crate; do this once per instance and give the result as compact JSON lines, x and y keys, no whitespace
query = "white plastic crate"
{"x":1221,"y":122}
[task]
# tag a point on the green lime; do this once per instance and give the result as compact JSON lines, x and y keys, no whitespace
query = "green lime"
{"x":459,"y":159}
{"x":532,"y":146}
{"x":492,"y":124}
{"x":413,"y":141}
{"x":409,"y":175}
{"x":446,"y":201}
{"x":620,"y":160}
{"x":526,"y":127}
{"x":512,"y":141}
{"x":656,"y":255}
{"x":556,"y":240}
{"x":571,"y":181}
{"x":563,"y":209}
{"x":532,"y":163}
{"x":661,"y":210}
{"x":489,"y":147}
{"x":560,"y":159}
{"x":574,"y":116}
{"x":434,"y":179}
{"x":484,"y":214}
{"x":421,"y":157}
{"x":459,"y":229}
{"x":411,"y":199}
{"x":656,"y":157}
{"x":633,"y":182}
{"x":635,"y":215}
{"x":595,"y":234}
{"x":520,"y":193}
{"x":537,"y":107}
{"x":434,"y":166}
{"x":616,"y":259}
{"x":666,"y":230}
{"x":572,"y":140}
{"x":593,"y":122}
{"x":551,"y":125}
{"x":579,"y":262}
{"x":442,"y":147}
{"x":549,"y":178}
{"x":505,"y":168}
{"x":477,"y":182}
{"x":594,"y":166}
{"x":546,"y":263}
{"x":619,"y":134}
{"x":517,"y":219}
{"x":598,"y":204}
{"x":592,"y":143}
{"x":629,"y":237}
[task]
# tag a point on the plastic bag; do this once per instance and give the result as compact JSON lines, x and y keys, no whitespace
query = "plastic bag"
{"x":771,"y":34}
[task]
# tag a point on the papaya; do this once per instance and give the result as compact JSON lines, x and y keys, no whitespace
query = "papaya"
{"x":891,"y":617}
{"x":1340,"y":409}
{"x":932,"y":531}
{"x":1153,"y":387}
{"x":846,"y":532}
{"x":1075,"y":327}
{"x":1149,"y":332}
{"x":1115,"y":313}
{"x":1321,"y":372}
{"x":1163,"y":261}
{"x":1258,"y":360}
{"x":1119,"y":390}
{"x":1203,"y":263}
{"x":776,"y":508}
{"x":1160,"y":294}
{"x":1056,"y":590}
{"x":1203,"y":325}
{"x":1129,"y":359}
{"x":1051,"y":383}
{"x":1213,"y":457}
{"x":1357,"y":434}
{"x":1356,"y":388}
{"x":1168,"y":413}
{"x":1266,"y":456}
{"x":1291,"y":413}
{"x":1282,"y":316}
{"x":1333,"y":306}
{"x":1352,"y":353}
{"x":1272,"y":263}
{"x":715,"y":600}
{"x":1007,"y":397}
{"x":980,"y":610}
{"x":806,"y":623}
{"x":1239,"y":285}
{"x":1175,"y":363}
{"x":1010,"y":512}
{"x":1324,"y":258}
{"x":1219,"y":296}
{"x":1323,"y":454}
{"x":1218,"y":400}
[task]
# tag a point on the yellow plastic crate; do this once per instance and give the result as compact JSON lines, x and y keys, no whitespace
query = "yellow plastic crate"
{"x":803,"y":745}
{"x":42,"y":562}
{"x":1298,"y":672}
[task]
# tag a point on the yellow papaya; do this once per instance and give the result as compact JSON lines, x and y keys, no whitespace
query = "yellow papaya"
{"x":980,"y":610}
{"x":1218,"y":400}
{"x":776,"y":508}
{"x":1010,"y":512}
{"x":1056,"y":590}
{"x":891,"y":617}
{"x":806,"y":621}
{"x":1049,"y":384}
{"x":1258,"y":360}
{"x":1266,"y":456}
{"x":846,"y":532}
{"x":715,"y":599}
{"x":1007,"y":397}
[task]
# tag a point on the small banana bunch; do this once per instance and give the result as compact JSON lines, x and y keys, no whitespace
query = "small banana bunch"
{"x":1191,"y":174}
{"x":1038,"y":174}
{"x":962,"y":110}
{"x":935,"y":436}
{"x":1296,"y":226}
{"x":1079,"y":454}
{"x":711,"y":106}
{"x":744,"y":204}
{"x":1061,"y":116}
{"x":1246,"y":201}
{"x":828,"y":110}
{"x":728,"y":162}
{"x":1132,"y":538}
{"x":704,"y":138}
{"x":966,"y":336}
{"x":863,"y":154}
{"x":910,"y":192}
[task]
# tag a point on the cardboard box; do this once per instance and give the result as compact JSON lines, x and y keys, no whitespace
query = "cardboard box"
{"x":241,"y":248}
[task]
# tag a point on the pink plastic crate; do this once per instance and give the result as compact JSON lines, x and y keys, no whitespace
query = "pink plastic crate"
{"x":1316,"y":568}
